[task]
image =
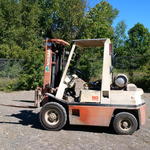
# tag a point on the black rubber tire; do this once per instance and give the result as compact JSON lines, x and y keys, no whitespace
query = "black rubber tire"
{"x":60,"y":112}
{"x":127,"y":118}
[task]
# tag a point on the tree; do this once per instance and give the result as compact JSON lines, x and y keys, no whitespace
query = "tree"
{"x":20,"y":37}
{"x":98,"y":21}
{"x":97,"y":24}
{"x":136,"y":54}
{"x":138,"y":44}
{"x":119,"y":38}
{"x":62,"y":19}
{"x":25,"y":23}
{"x":135,"y":47}
{"x":67,"y":19}
{"x":139,"y":40}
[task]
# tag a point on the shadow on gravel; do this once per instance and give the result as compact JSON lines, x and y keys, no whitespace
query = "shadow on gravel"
{"x":18,"y":106}
{"x":29,"y":118}
{"x":94,"y":129}
{"x":26,"y":118}
{"x":25,"y":101}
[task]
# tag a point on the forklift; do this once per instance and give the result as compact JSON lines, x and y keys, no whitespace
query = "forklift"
{"x":115,"y":102}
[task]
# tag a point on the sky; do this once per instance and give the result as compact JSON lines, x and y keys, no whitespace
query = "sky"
{"x":130,"y":11}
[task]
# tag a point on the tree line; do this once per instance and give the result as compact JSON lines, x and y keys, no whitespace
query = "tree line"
{"x":25,"y":23}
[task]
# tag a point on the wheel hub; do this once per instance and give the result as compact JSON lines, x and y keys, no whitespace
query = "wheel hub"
{"x":52,"y":116}
{"x":125,"y":124}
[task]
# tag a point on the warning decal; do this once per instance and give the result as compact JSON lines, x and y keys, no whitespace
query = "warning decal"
{"x":95,"y":98}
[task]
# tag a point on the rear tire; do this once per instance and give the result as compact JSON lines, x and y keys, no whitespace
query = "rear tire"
{"x":125,"y":123}
{"x":53,"y":116}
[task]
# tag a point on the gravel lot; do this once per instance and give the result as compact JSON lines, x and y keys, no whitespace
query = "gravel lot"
{"x":21,"y":130}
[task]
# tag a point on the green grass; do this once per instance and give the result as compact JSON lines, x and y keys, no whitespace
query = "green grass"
{"x":7,"y":84}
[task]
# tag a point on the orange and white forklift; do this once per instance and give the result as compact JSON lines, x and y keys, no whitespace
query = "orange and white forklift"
{"x":115,"y":102}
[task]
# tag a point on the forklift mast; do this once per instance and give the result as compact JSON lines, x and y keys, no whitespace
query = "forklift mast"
{"x":54,"y":62}
{"x":53,"y":67}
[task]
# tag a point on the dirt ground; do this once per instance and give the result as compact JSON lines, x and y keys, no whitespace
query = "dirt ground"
{"x":20,"y":130}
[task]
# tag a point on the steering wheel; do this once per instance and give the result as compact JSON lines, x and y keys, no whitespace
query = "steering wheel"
{"x":77,"y":71}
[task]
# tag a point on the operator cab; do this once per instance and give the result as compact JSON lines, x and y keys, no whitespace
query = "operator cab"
{"x":92,"y":89}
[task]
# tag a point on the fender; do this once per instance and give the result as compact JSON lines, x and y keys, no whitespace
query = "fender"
{"x":53,"y":98}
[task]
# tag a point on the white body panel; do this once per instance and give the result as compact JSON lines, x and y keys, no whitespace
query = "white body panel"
{"x":116,"y":97}
{"x":90,"y":96}
{"x":121,"y":97}
{"x":106,"y":73}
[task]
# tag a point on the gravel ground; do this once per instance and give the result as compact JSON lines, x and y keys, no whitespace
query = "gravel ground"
{"x":21,"y":130}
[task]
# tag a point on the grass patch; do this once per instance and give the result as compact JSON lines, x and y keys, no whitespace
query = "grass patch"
{"x":7,"y":84}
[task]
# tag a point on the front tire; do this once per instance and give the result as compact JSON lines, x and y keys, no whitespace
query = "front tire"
{"x":125,"y":123}
{"x":53,"y":116}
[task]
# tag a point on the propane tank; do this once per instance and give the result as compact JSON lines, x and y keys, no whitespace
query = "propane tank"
{"x":121,"y":80}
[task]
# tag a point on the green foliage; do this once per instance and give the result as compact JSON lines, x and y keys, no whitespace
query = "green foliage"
{"x":97,"y":24}
{"x":142,"y":82}
{"x":61,"y":19}
{"x":145,"y":78}
{"x":119,"y":38}
{"x":11,"y":70}
{"x":31,"y":75}
{"x":136,"y":48}
{"x":25,"y":23}
{"x":90,"y":63}
{"x":20,"y":37}
{"x":67,"y":19}
{"x":98,"y":21}
{"x":139,"y":40}
{"x":7,"y":84}
{"x":9,"y":75}
{"x":138,"y":44}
